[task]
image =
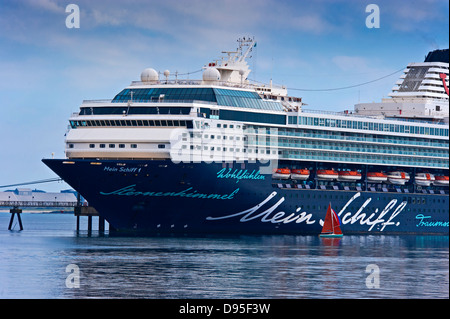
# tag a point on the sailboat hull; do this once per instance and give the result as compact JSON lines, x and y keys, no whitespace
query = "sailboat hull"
{"x":331,"y":235}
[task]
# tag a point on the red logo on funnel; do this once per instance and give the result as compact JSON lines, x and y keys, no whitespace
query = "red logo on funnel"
{"x":443,"y":76}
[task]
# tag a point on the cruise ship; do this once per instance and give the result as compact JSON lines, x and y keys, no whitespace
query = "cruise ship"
{"x":223,"y":154}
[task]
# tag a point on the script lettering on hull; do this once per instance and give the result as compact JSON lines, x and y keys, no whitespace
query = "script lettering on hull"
{"x":266,"y":212}
{"x":187,"y":193}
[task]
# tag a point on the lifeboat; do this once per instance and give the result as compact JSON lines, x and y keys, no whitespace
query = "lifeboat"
{"x":327,"y":174}
{"x":377,"y":177}
{"x":398,"y":178}
{"x":441,"y":180}
{"x":282,"y":173}
{"x":349,"y":176}
{"x":424,"y":179}
{"x":300,"y":174}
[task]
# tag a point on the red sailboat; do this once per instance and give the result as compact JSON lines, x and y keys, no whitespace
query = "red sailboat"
{"x":331,"y":226}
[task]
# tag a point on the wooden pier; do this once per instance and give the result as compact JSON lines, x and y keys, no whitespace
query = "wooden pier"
{"x":79,"y":210}
{"x":89,"y":212}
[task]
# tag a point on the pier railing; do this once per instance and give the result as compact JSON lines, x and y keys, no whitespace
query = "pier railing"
{"x":37,"y":204}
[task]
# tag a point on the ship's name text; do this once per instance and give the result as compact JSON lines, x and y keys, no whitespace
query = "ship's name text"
{"x":379,"y":219}
{"x":122,"y":169}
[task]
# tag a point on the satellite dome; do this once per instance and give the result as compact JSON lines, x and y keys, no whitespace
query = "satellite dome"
{"x":149,"y":75}
{"x":211,"y":75}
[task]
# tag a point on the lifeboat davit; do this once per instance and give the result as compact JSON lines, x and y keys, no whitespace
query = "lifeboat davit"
{"x":398,"y":178}
{"x":424,"y":179}
{"x":282,"y":173}
{"x":349,"y":176}
{"x":377,"y":177}
{"x":327,"y":174}
{"x":441,"y":180}
{"x":300,"y":174}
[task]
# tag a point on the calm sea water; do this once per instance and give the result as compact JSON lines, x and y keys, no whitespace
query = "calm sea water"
{"x":33,"y":264}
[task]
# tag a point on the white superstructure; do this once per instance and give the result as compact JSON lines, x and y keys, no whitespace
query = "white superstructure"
{"x":421,"y":93}
{"x":225,"y":117}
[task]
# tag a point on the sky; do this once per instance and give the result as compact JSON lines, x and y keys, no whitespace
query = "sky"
{"x":48,"y":69}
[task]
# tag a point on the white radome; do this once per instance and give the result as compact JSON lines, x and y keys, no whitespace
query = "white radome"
{"x":149,"y":75}
{"x":211,"y":75}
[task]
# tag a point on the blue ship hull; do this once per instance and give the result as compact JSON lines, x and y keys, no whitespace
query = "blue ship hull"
{"x":163,"y":197}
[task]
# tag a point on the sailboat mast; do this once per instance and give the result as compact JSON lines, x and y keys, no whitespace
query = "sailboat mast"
{"x":332,"y":219}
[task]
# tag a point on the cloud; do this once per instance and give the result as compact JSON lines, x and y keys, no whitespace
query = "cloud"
{"x":47,"y":5}
{"x":409,"y":16}
{"x":357,"y":65}
{"x":349,"y":63}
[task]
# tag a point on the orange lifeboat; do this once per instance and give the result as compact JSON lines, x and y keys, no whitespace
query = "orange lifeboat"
{"x":349,"y":176}
{"x":282,"y":173}
{"x":377,"y":177}
{"x":398,"y":178}
{"x":441,"y":180}
{"x":300,"y":174}
{"x":424,"y":179}
{"x":327,"y":174}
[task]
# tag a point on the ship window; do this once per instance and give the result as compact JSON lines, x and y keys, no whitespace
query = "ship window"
{"x":121,"y":145}
{"x":157,"y":123}
{"x":102,"y":145}
{"x":161,"y":146}
{"x":70,"y":145}
{"x":91,"y":145}
{"x":133,"y":145}
{"x":112,"y":145}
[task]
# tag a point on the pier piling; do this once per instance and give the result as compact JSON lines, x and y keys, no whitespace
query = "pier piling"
{"x":13,"y":212}
{"x":89,"y":212}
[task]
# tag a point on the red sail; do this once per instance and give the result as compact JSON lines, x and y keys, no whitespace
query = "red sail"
{"x":331,"y":223}
{"x":336,"y":223}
